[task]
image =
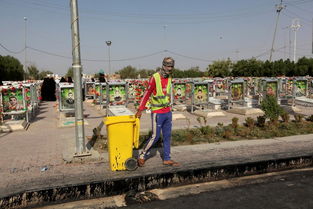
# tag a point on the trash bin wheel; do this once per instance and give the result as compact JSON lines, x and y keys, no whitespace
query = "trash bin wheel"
{"x":131,"y":164}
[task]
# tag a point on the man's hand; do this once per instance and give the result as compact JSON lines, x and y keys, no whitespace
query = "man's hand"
{"x":138,"y":114}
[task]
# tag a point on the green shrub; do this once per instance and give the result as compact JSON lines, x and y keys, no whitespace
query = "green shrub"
{"x":196,"y":132}
{"x":234,"y":122}
{"x":271,"y":108}
{"x":202,"y":120}
{"x":260,"y":121}
{"x":310,"y":118}
{"x":227,"y":132}
{"x":206,"y":130}
{"x":285,"y":117}
{"x":298,"y":118}
{"x":178,"y":135}
{"x":250,"y":122}
{"x":243,"y":132}
{"x":219,"y":130}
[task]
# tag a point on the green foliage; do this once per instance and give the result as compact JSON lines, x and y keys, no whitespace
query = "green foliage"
{"x":43,"y":74}
{"x":221,"y":68}
{"x":207,"y":131}
{"x":251,"y":67}
{"x":190,"y":73}
{"x":299,"y":118}
{"x":234,"y":122}
{"x":11,"y":69}
{"x":310,"y":118}
{"x":143,"y":73}
{"x":228,"y":132}
{"x":69,"y":73}
{"x":202,"y":120}
{"x":250,"y":122}
{"x":128,"y":72}
{"x":271,"y":108}
{"x":285,"y":117}
{"x":207,"y":134}
{"x":33,"y":72}
{"x":261,"y":121}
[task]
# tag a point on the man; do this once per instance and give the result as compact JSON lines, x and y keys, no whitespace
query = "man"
{"x":159,"y":89}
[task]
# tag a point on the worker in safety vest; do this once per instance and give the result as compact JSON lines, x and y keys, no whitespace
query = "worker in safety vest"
{"x":160,"y":90}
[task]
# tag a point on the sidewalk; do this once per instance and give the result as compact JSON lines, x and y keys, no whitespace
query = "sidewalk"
{"x":33,"y":160}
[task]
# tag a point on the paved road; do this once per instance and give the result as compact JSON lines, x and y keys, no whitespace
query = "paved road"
{"x":291,"y":190}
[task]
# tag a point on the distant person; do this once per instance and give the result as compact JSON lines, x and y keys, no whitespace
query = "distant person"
{"x":69,"y":80}
{"x":101,"y":76}
{"x":159,"y":88}
{"x":48,"y":90}
{"x":63,"y":80}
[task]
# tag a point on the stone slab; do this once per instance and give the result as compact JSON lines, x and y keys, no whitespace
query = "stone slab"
{"x":177,"y":116}
{"x":180,"y":108}
{"x":291,"y":109}
{"x":14,"y":125}
{"x":209,"y":113}
{"x":246,"y":111}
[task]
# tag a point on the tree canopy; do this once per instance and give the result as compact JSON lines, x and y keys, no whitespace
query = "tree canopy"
{"x":11,"y":69}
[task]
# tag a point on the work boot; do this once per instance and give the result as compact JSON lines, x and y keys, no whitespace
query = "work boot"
{"x":141,"y":162}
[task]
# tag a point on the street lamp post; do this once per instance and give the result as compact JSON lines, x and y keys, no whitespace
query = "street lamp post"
{"x":109,"y":44}
{"x":295,"y":26}
{"x":25,"y":47}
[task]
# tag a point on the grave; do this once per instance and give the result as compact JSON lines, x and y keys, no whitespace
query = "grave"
{"x":238,"y":102}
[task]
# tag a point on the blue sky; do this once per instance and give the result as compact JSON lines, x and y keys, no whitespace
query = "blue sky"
{"x":142,"y":32}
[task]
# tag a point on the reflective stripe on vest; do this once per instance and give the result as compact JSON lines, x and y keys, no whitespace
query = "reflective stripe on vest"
{"x":160,"y":100}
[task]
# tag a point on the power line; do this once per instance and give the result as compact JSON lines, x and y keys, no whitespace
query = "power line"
{"x":191,"y":18}
{"x":49,"y":53}
{"x":302,"y":18}
{"x":98,"y":60}
{"x":10,"y":51}
{"x":125,"y":59}
{"x":299,"y":8}
{"x":185,"y":56}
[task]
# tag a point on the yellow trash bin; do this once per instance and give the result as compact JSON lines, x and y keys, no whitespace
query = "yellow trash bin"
{"x":123,"y":135}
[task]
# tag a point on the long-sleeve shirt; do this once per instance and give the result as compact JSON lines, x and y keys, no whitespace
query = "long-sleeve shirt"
{"x":152,"y":90}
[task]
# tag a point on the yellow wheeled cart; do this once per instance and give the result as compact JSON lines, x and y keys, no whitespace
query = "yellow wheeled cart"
{"x":123,"y":135}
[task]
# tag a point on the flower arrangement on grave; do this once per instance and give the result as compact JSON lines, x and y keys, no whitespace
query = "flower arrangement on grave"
{"x":27,"y":96}
{"x":140,"y":87}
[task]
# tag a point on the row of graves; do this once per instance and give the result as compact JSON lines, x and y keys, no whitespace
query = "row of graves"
{"x":19,"y":102}
{"x":211,"y":96}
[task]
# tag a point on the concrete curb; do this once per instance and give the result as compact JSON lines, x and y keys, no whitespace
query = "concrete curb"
{"x":202,"y":172}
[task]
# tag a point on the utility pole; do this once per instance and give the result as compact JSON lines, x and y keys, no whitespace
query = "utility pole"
{"x":109,"y":43}
{"x":25,"y":48}
{"x":289,"y":41}
{"x":77,"y":71}
{"x":279,"y":7}
{"x":295,"y":26}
